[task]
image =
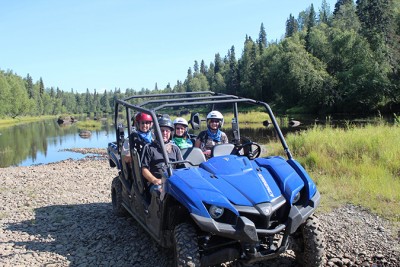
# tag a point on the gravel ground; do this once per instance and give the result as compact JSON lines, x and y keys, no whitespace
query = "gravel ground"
{"x":60,"y":215}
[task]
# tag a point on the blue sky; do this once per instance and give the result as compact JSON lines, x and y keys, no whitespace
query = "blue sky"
{"x":100,"y":44}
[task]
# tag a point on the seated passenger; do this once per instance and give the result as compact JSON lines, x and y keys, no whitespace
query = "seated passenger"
{"x":207,"y":139}
{"x":140,"y":136}
{"x":152,"y":157}
{"x":181,"y":137}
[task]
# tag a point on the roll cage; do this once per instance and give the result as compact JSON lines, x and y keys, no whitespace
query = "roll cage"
{"x":153,"y":103}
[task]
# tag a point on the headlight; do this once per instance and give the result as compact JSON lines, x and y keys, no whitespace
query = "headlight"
{"x":216,"y":212}
{"x":296,"y":198}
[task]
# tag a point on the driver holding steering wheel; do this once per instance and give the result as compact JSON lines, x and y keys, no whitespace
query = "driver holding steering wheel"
{"x":207,"y":139}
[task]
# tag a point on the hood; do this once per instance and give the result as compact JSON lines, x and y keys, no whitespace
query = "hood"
{"x":228,"y":178}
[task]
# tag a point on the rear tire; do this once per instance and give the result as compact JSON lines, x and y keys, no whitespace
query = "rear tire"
{"x":186,"y":246}
{"x":116,"y":198}
{"x":310,"y":247}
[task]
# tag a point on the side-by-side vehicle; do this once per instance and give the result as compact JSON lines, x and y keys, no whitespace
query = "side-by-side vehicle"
{"x":239,"y":205}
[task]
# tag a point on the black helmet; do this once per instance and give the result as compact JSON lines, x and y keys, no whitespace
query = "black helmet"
{"x":165,"y":121}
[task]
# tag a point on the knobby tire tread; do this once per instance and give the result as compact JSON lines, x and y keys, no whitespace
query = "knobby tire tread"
{"x":186,"y":246}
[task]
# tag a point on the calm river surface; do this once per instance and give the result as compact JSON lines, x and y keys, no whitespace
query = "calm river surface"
{"x":46,"y":141}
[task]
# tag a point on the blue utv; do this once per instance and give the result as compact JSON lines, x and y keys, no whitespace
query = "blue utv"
{"x":234,"y":207}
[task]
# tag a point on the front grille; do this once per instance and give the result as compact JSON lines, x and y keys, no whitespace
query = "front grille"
{"x":265,"y":215}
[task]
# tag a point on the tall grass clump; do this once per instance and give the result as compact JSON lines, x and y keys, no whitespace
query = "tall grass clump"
{"x":358,"y":165}
{"x":89,"y":125}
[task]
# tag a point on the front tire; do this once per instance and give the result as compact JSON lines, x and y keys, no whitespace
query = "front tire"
{"x":116,"y":198}
{"x":186,"y":246}
{"x":310,"y":244}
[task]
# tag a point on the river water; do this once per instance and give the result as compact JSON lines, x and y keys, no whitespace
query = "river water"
{"x":46,"y":141}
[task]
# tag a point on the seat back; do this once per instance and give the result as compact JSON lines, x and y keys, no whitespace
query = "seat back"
{"x":194,"y":155}
{"x":222,"y":150}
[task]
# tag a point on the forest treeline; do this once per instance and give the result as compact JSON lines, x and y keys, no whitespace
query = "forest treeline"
{"x":345,"y":60}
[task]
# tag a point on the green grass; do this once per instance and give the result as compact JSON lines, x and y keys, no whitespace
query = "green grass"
{"x":244,"y":117}
{"x":89,"y":125}
{"x":358,"y":165}
{"x":7,"y":122}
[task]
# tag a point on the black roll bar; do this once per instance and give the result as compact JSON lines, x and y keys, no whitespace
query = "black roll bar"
{"x":212,"y":98}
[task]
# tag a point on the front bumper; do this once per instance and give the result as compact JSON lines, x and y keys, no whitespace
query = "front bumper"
{"x":246,"y":232}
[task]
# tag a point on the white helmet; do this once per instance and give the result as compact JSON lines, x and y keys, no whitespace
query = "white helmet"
{"x":216,"y":115}
{"x":182,"y":121}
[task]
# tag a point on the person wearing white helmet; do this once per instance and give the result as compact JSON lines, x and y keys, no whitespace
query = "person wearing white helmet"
{"x":207,"y":139}
{"x":181,"y":138}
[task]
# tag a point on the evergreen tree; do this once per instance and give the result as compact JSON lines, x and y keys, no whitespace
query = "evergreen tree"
{"x":168,"y":89}
{"x":262,"y":38}
{"x":52,"y":93}
{"x":291,"y":26}
{"x":105,"y":104}
{"x":218,"y":63}
{"x":96,"y":103}
{"x":41,"y":87}
{"x":29,"y":86}
{"x":324,"y":13}
{"x":378,"y":24}
{"x":37,"y":101}
{"x":189,"y":77}
{"x":375,"y":22}
{"x":249,"y":72}
{"x":232,"y":76}
{"x":203,"y":68}
{"x":88,"y":102}
{"x":196,"y":67}
{"x":339,"y":4}
{"x":311,"y":23}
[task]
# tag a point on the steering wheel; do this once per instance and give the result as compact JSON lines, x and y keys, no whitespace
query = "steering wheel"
{"x":250,"y":149}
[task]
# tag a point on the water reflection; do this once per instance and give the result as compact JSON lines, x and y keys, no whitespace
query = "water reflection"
{"x":42,"y":142}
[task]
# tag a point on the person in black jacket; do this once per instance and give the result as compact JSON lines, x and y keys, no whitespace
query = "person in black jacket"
{"x":152,"y":157}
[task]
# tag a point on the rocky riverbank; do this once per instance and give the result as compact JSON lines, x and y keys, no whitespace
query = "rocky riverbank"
{"x":60,"y":215}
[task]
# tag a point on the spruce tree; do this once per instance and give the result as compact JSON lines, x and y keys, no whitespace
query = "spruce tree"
{"x":29,"y":86}
{"x":232,"y":76}
{"x":311,"y":23}
{"x":217,"y":63}
{"x":291,"y":26}
{"x":203,"y":68}
{"x":196,"y":67}
{"x":41,"y":87}
{"x":262,"y":39}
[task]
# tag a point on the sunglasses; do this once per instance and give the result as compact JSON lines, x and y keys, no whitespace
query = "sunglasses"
{"x":145,"y":122}
{"x":214,"y":121}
